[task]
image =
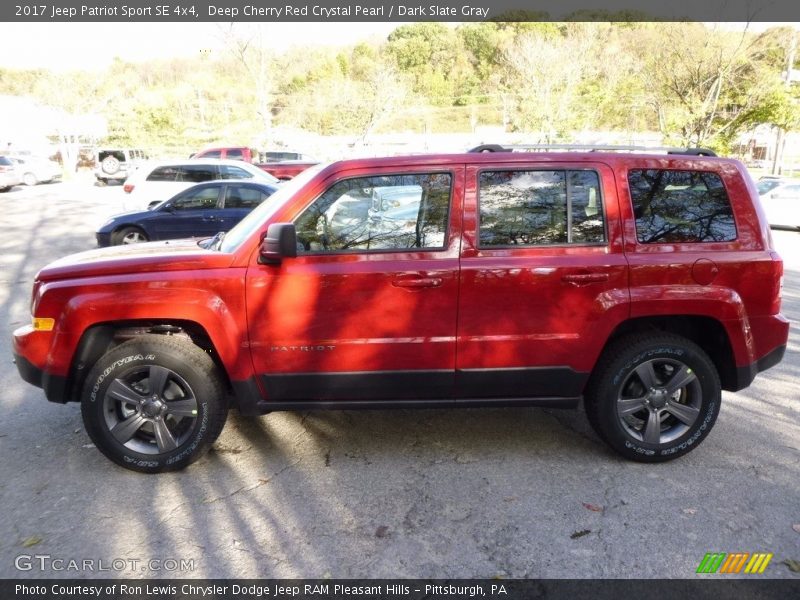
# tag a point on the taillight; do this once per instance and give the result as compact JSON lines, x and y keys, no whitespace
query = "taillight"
{"x":777,"y":265}
{"x":128,"y":187}
{"x":5,"y":169}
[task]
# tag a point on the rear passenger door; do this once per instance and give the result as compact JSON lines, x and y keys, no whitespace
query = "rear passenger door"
{"x":237,"y":202}
{"x":543,"y":278}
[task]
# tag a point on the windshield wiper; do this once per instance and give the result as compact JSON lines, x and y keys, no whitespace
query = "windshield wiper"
{"x":215,"y":242}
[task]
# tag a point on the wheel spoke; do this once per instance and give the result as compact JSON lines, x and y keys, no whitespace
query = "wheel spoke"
{"x":182,"y":408}
{"x":652,"y":431}
{"x":122,"y":392}
{"x":684,"y":413}
{"x":125,"y":430}
{"x":681,"y":379}
{"x":158,"y":380}
{"x":164,"y":437}
{"x":628,"y":406}
{"x":647,"y":375}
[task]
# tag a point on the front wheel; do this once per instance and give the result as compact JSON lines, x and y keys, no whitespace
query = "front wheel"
{"x":653,"y":397}
{"x":129,"y":235}
{"x":154,"y":403}
{"x":29,"y":179}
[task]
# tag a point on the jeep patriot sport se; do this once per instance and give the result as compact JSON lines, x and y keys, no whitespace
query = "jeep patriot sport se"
{"x":643,"y":284}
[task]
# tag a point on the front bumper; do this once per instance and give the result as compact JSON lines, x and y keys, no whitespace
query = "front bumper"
{"x":30,"y":349}
{"x":103,"y":239}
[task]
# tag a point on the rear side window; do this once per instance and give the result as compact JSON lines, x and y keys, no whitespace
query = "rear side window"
{"x":533,"y":208}
{"x":235,"y":154}
{"x":197,"y":173}
{"x":238,"y":196}
{"x":163,"y":174}
{"x":229,"y":172}
{"x":680,"y":206}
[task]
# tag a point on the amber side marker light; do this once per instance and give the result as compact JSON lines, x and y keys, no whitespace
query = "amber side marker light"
{"x":43,"y":323}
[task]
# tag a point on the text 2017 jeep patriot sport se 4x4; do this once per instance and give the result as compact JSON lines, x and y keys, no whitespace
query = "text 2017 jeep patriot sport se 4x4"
{"x":643,"y":283}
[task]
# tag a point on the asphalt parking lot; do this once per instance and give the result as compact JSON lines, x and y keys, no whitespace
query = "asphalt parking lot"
{"x":410,"y":493}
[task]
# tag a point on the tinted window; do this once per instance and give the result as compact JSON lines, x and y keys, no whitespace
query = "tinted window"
{"x":163,"y":174}
{"x":393,"y":212}
{"x":5,"y":161}
{"x":680,"y":206}
{"x":238,"y":196}
{"x":766,"y":185}
{"x":235,"y":154}
{"x":197,"y":173}
{"x":530,"y":208}
{"x":211,"y":154}
{"x":204,"y":198}
{"x":229,"y":172}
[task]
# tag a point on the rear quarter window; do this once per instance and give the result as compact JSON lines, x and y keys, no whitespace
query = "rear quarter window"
{"x":673,"y":206}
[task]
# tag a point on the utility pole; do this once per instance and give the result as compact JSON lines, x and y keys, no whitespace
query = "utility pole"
{"x":780,"y":141}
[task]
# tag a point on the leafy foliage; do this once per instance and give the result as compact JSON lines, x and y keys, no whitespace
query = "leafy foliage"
{"x":694,"y":84}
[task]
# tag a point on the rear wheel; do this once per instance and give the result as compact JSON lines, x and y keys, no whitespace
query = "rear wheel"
{"x":129,"y":235}
{"x":29,"y":179}
{"x":4,"y":189}
{"x":154,"y":403}
{"x":653,"y":397}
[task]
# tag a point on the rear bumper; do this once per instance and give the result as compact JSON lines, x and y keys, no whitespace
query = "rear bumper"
{"x":745,"y":375}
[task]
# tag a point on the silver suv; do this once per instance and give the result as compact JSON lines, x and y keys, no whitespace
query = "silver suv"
{"x":115,"y":164}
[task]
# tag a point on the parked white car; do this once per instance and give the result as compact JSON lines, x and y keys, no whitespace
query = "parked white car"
{"x":9,"y":175}
{"x":36,"y":169}
{"x":162,"y":180}
{"x":780,"y":198}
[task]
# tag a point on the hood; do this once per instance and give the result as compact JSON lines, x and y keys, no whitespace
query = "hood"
{"x":152,"y":257}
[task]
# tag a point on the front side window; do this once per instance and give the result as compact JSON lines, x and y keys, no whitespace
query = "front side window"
{"x":391,"y":212}
{"x":680,"y":206}
{"x":533,"y":208}
{"x":235,"y":154}
{"x":202,"y":199}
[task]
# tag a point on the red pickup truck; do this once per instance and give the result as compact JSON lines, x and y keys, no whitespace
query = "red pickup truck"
{"x":279,"y":164}
{"x":643,"y":284}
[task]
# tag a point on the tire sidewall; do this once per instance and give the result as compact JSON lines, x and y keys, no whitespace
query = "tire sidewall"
{"x":709,"y":406}
{"x":117,"y":364}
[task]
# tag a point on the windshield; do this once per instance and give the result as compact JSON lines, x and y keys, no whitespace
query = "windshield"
{"x":766,"y":185}
{"x":247,"y":226}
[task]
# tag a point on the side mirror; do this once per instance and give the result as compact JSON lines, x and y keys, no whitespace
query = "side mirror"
{"x":279,"y":243}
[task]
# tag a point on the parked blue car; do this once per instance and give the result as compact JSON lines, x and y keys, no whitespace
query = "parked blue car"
{"x":200,"y":211}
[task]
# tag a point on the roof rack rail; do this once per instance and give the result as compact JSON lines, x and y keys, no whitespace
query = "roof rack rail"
{"x":592,"y":148}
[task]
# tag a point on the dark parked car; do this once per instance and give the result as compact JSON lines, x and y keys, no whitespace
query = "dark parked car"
{"x":201,"y":210}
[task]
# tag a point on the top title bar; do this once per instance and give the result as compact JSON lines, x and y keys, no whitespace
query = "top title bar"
{"x":392,"y":10}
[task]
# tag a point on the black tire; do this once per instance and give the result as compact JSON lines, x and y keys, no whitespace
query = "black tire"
{"x":4,"y":189}
{"x":153,"y":429}
{"x":128,"y":235}
{"x":660,"y":421}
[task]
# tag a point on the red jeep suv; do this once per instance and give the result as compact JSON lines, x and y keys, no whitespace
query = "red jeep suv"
{"x":643,"y":284}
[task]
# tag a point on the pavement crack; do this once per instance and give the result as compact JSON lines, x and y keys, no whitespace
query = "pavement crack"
{"x":249,"y":488}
